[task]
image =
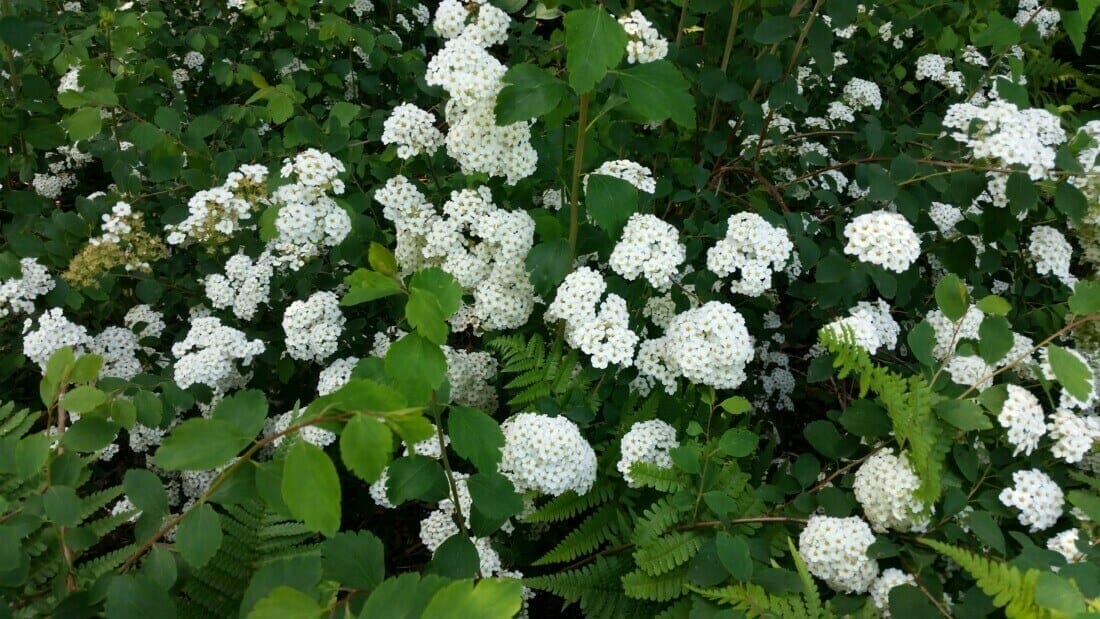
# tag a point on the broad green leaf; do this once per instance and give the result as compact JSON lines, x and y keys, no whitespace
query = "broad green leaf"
{"x":442,"y":285}
{"x":1087,"y":8}
{"x":965,"y":415}
{"x":456,"y":557}
{"x":476,"y":437}
{"x":1056,"y":593}
{"x":951,"y":296}
{"x":547,"y":265}
{"x":736,"y":405}
{"x":733,"y":552}
{"x":146,"y":491}
{"x":488,"y":599}
{"x":301,"y":572}
{"x":774,"y":29}
{"x":86,"y":369}
{"x":658,"y":91}
{"x":354,"y":559}
{"x":31,"y":454}
{"x":995,"y":338}
{"x":922,"y":341}
{"x":529,"y":92}
{"x":90,"y":434}
{"x":738,"y":442}
{"x":994,"y":305}
{"x":414,"y":359}
{"x":865,"y":418}
{"x":286,"y":603}
{"x":344,"y":112}
{"x":416,"y":477}
{"x":1001,"y":32}
{"x":366,"y":447}
{"x":1074,"y":375}
{"x":246,"y":410}
{"x":403,"y":597}
{"x":365,"y":285}
{"x":494,"y":495}
{"x":987,"y":530}
{"x":199,"y":535}
{"x":610,"y":202}
{"x":426,"y":316}
{"x":311,"y":488}
{"x":280,"y":106}
{"x":594,"y":43}
{"x":83,"y":124}
{"x":62,"y":506}
{"x":84,"y":399}
{"x":365,"y":395}
{"x":138,"y":596}
{"x":1086,"y":298}
{"x":381,"y":259}
{"x":1075,"y":28}
{"x":1070,"y":201}
{"x":201,"y":445}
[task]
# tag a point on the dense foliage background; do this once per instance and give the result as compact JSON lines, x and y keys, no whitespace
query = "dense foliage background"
{"x":699,"y":308}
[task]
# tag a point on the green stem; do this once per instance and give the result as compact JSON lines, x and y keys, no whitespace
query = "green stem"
{"x":575,"y":194}
{"x":726,"y":58}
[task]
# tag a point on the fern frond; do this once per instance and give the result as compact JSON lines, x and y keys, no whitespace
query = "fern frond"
{"x":754,"y":601}
{"x":91,"y":571}
{"x":655,"y":520}
{"x":1007,"y":585}
{"x":570,"y":504}
{"x":810,"y":595}
{"x":98,"y":500}
{"x":642,"y":586}
{"x":588,"y":585}
{"x":667,"y":553}
{"x":588,"y":536}
{"x":650,"y":475}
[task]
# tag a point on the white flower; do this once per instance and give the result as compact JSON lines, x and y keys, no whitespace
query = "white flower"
{"x":413,"y":130}
{"x":1007,"y":134}
{"x":313,"y":327}
{"x":645,"y":43}
{"x":1065,"y":544}
{"x":753,"y":249}
{"x":648,"y":247}
{"x":1052,"y":253}
{"x":880,"y":589}
{"x":208,"y":352}
{"x":860,"y":93}
{"x":17,"y":294}
{"x":1038,"y":498}
{"x":871,"y":325}
{"x":547,"y":455}
{"x":885,"y":486}
{"x":604,"y":334}
{"x":835,"y":550}
{"x":54,"y":331}
{"x":1022,"y":416}
{"x":883,"y":238}
{"x":646,"y":441}
{"x":336,"y":375}
{"x":1073,"y":435}
{"x":709,"y":345}
{"x":634,"y":173}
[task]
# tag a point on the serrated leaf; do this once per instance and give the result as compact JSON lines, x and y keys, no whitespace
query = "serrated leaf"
{"x":200,"y":445}
{"x":366,"y":447}
{"x":311,"y":488}
{"x":610,"y":202}
{"x":594,"y":43}
{"x":476,"y":437}
{"x":1086,"y":298}
{"x":84,"y":399}
{"x":529,"y":92}
{"x":415,"y":477}
{"x":657,"y":91}
{"x":354,"y":559}
{"x":365,"y":285}
{"x":199,"y":536}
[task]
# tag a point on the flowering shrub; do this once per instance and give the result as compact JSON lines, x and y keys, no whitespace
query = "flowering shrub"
{"x":480,"y":309}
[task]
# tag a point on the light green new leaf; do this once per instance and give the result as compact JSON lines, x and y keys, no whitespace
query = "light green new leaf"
{"x":1086,"y":298}
{"x":489,"y":599}
{"x":952,"y":297}
{"x":311,"y":488}
{"x":365,"y":285}
{"x":286,"y":603}
{"x":594,"y":43}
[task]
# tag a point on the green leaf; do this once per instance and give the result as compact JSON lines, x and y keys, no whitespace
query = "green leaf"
{"x":1070,"y":200}
{"x":365,"y":395}
{"x":489,"y":599}
{"x":736,"y":405}
{"x":146,"y":491}
{"x":1087,"y":8}
{"x":62,"y":506}
{"x":83,"y":399}
{"x":657,"y":91}
{"x":416,"y":477}
{"x":594,"y":43}
{"x":1001,"y":32}
{"x":1075,"y":29}
{"x":529,"y":92}
{"x":246,"y":410}
{"x":286,"y":603}
{"x":344,"y":112}
{"x":476,"y":437}
{"x":201,"y":445}
{"x":733,"y":552}
{"x":1086,"y":298}
{"x":985,"y":528}
{"x":354,"y":559}
{"x":865,"y":418}
{"x":381,"y":259}
{"x":83,"y":124}
{"x":951,"y":296}
{"x":442,"y":285}
{"x":1056,"y":593}
{"x":137,"y":596}
{"x":90,"y":434}
{"x":825,"y":438}
{"x":738,"y":442}
{"x":494,"y":495}
{"x":311,"y":488}
{"x":547,"y":265}
{"x":995,"y":338}
{"x":414,"y":359}
{"x":86,"y":369}
{"x":403,"y":597}
{"x":366,"y":446}
{"x":1087,"y":501}
{"x":426,"y":316}
{"x":456,"y":557}
{"x":994,"y":305}
{"x":922,"y":341}
{"x":1074,"y":375}
{"x":301,"y":572}
{"x":610,"y":202}
{"x":280,"y":106}
{"x":965,"y":415}
{"x":365,"y":285}
{"x":199,"y":536}
{"x":31,"y":454}
{"x":774,"y":29}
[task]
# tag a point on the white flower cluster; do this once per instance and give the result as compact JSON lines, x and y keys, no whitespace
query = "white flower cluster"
{"x":604,"y":334}
{"x":245,"y":285}
{"x":860,"y":94}
{"x":645,"y":44}
{"x":1008,"y":134}
{"x":208,"y":352}
{"x":752,"y":247}
{"x":880,"y":589}
{"x":1046,"y":20}
{"x":118,"y":347}
{"x":1065,"y":544}
{"x":1022,"y":416}
{"x":646,"y":441}
{"x":970,"y":370}
{"x":1052,"y":253}
{"x":488,"y":27}
{"x":547,"y":455}
{"x":1038,"y":498}
{"x":709,"y":345}
{"x":945,"y":216}
{"x":309,"y":219}
{"x":634,"y":173}
{"x":70,"y":81}
{"x":470,"y":374}
{"x":17,"y":294}
{"x":413,"y":130}
{"x":54,"y":331}
{"x":872,"y":327}
{"x":885,"y":486}
{"x":935,"y":67}
{"x":949,"y":333}
{"x":336,"y":375}
{"x":649,"y":247}
{"x":1074,"y":436}
{"x":313,"y":327}
{"x":835,"y":550}
{"x":492,"y":270}
{"x":218,"y":213}
{"x":660,"y":310}
{"x":63,"y":164}
{"x":883,"y":238}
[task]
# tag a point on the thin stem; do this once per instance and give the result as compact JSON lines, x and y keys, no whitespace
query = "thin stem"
{"x":706,"y":460}
{"x":459,"y":519}
{"x":574,"y":197}
{"x":725,"y":58}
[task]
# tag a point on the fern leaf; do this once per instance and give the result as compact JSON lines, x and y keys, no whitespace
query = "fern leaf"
{"x":588,"y":536}
{"x":587,"y":585}
{"x":667,"y":553}
{"x":650,"y":475}
{"x":642,"y":586}
{"x":1007,"y":585}
{"x":655,"y":520}
{"x":570,"y":504}
{"x":810,"y":595}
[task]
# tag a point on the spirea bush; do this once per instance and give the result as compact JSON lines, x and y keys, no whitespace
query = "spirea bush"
{"x":706,"y":308}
